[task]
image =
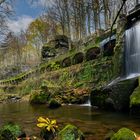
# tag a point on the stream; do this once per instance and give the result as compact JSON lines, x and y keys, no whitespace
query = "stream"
{"x":94,"y":123}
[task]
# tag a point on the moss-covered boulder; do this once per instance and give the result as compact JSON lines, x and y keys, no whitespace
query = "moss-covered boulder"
{"x":135,"y":101}
{"x":115,"y":96}
{"x":39,"y":97}
{"x":66,"y":62}
{"x":70,"y":132}
{"x":11,"y":131}
{"x":97,"y":97}
{"x":124,"y":134}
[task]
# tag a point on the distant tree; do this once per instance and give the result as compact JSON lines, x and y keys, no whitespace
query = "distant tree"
{"x":36,"y":34}
{"x":5,"y":13}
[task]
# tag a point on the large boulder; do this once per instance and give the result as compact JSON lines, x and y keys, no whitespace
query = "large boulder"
{"x":70,"y":132}
{"x":61,"y":41}
{"x":135,"y":101}
{"x":11,"y":131}
{"x":92,"y":53}
{"x":115,"y":96}
{"x":78,"y":58}
{"x":47,"y":52}
{"x":66,"y":62}
{"x":124,"y":134}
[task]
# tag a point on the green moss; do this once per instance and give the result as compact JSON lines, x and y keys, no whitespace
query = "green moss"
{"x":118,"y":50}
{"x":38,"y":97}
{"x":10,"y":131}
{"x":135,"y":97}
{"x":70,"y":132}
{"x":124,"y":134}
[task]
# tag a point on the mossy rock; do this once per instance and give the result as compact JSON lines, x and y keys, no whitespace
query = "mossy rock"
{"x":98,"y":98}
{"x":70,"y":132}
{"x":10,"y":131}
{"x":115,"y":96}
{"x":124,"y":134}
{"x":53,"y":103}
{"x":38,"y":97}
{"x":135,"y":101}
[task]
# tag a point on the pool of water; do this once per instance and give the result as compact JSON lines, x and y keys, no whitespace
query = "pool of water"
{"x":94,"y":123}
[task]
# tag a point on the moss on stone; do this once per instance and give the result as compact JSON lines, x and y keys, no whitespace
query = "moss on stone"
{"x":124,"y":134}
{"x":70,"y":132}
{"x":38,"y":97}
{"x":115,"y":96}
{"x":135,"y":97}
{"x":10,"y":131}
{"x":119,"y":48}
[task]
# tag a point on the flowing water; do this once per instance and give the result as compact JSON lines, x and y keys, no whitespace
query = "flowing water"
{"x":94,"y":123}
{"x":132,"y":51}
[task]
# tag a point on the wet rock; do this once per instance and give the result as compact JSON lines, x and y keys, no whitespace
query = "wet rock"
{"x":53,"y":103}
{"x":115,"y":96}
{"x":13,"y":99}
{"x":124,"y":134}
{"x":135,"y":101}
{"x":70,"y":132}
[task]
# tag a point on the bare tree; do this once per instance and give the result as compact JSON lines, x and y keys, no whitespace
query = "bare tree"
{"x":5,"y":13}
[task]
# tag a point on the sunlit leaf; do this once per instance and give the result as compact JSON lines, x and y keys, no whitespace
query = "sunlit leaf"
{"x":49,"y":125}
{"x":42,"y":125}
{"x":41,"y":119}
{"x":53,"y":122}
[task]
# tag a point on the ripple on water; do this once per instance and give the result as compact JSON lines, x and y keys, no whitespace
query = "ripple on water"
{"x":94,"y":123}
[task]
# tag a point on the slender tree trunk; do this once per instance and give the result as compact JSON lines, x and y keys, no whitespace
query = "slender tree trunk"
{"x":105,"y":13}
{"x":89,"y":19}
{"x":68,"y":21}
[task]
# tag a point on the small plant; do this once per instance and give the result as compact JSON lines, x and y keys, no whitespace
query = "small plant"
{"x":54,"y":66}
{"x":47,"y":124}
{"x":48,"y":128}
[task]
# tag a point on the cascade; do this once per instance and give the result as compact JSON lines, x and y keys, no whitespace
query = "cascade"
{"x":88,"y":103}
{"x":132,"y":51}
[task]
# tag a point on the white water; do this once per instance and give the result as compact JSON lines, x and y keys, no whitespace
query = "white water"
{"x":102,"y":43}
{"x":88,"y":103}
{"x":132,"y":51}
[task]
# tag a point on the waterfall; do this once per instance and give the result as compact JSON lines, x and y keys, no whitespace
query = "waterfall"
{"x":132,"y":51}
{"x":88,"y":103}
